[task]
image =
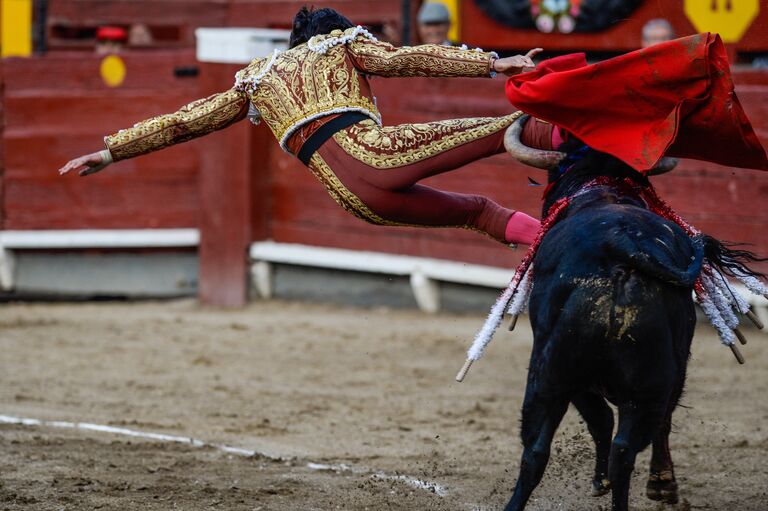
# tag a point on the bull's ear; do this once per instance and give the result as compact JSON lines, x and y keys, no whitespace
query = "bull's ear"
{"x":533,"y":157}
{"x":663,"y":166}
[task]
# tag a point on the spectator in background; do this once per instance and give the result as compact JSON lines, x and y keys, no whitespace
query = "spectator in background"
{"x":434,"y":24}
{"x":139,"y":35}
{"x":110,"y":39}
{"x":657,"y":31}
{"x":761,"y":61}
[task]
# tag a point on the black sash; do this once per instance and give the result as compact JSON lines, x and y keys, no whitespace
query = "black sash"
{"x":326,"y":131}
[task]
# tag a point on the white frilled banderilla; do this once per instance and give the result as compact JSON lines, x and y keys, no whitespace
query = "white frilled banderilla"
{"x":513,"y":300}
{"x":720,"y":302}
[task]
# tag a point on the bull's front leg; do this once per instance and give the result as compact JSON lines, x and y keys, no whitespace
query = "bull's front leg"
{"x":542,"y":414}
{"x":661,"y":480}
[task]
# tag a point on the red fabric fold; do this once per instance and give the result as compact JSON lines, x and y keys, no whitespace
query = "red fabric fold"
{"x":672,"y":99}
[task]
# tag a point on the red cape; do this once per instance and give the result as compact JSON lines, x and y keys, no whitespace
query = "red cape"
{"x":674,"y":99}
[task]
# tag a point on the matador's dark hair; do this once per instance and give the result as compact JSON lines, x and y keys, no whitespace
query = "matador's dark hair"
{"x":309,"y":22}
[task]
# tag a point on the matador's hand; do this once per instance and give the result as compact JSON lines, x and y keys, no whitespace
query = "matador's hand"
{"x":87,"y":164}
{"x":511,"y":66}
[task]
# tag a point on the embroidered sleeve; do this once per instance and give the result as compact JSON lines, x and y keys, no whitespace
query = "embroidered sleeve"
{"x":191,"y":121}
{"x":380,"y":58}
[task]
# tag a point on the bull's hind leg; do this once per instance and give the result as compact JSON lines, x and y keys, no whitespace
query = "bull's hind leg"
{"x":638,"y":424}
{"x":661,"y":484}
{"x":661,"y":481}
{"x":599,"y":418}
{"x":541,"y":417}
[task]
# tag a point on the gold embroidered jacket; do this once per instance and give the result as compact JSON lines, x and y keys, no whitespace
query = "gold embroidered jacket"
{"x":289,"y":89}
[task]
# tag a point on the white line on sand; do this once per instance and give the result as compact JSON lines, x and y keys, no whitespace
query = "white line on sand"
{"x":413,"y":482}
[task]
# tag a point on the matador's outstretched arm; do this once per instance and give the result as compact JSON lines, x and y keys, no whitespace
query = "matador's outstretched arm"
{"x":383,"y":59}
{"x":191,"y":121}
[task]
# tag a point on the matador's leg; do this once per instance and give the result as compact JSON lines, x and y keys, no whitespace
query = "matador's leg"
{"x":396,"y":157}
{"x":415,"y":205}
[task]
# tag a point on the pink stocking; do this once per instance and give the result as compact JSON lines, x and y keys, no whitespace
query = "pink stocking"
{"x":521,"y":228}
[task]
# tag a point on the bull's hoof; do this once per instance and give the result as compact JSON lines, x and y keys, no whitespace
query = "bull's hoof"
{"x":600,"y":487}
{"x":662,"y":487}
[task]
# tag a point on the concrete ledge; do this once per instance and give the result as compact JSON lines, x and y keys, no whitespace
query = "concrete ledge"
{"x":12,"y":241}
{"x":99,"y":238}
{"x":424,"y":274}
{"x":114,"y":274}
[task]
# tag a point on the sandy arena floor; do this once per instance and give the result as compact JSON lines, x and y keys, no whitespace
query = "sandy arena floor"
{"x":348,"y":407}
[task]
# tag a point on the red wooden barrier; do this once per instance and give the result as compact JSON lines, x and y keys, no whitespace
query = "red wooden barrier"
{"x":238,"y":186}
{"x":56,"y":107}
{"x":225,"y":192}
{"x":177,"y":20}
{"x":173,"y":22}
{"x":70,"y":18}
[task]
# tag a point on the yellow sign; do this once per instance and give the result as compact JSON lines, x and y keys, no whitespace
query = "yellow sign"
{"x":15,"y":28}
{"x":729,"y":18}
{"x":113,"y":70}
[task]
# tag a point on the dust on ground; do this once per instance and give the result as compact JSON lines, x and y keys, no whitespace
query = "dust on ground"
{"x":371,"y":389}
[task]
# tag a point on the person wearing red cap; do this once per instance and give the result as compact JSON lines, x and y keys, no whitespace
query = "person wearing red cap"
{"x":110,"y":39}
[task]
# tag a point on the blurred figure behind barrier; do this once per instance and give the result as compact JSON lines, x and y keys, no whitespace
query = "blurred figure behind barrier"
{"x":140,"y":35}
{"x":110,"y":39}
{"x":657,"y":31}
{"x":434,"y":24}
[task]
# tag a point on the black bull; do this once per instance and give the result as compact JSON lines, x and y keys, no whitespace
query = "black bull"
{"x":612,"y":318}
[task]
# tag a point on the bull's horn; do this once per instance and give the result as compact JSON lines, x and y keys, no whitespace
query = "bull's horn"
{"x":528,"y":155}
{"x":663,"y":166}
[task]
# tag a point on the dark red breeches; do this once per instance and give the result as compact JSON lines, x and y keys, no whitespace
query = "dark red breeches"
{"x":374,"y":171}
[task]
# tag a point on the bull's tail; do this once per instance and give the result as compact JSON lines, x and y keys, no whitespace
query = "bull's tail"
{"x":658,"y":261}
{"x":729,"y":260}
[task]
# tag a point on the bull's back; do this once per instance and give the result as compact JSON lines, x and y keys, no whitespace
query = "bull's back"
{"x":612,"y":293}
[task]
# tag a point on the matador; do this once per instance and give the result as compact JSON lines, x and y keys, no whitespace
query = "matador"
{"x":316,"y":99}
